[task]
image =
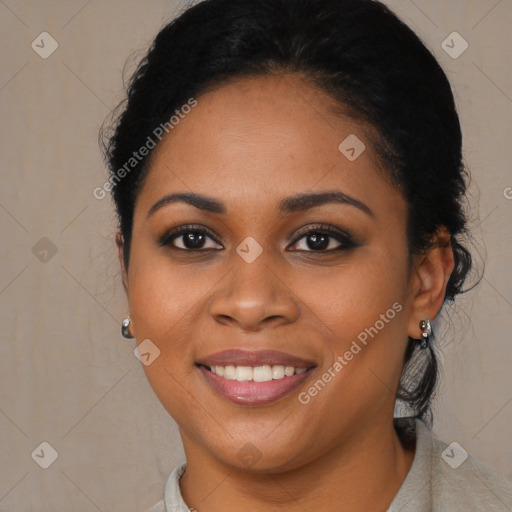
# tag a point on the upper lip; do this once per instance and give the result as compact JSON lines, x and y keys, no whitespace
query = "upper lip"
{"x":241,"y":357}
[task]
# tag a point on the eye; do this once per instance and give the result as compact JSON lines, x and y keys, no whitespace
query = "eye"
{"x":320,"y":239}
{"x":324,"y":238}
{"x":190,"y":238}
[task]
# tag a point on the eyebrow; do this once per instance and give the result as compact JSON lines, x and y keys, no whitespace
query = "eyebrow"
{"x":292,"y":204}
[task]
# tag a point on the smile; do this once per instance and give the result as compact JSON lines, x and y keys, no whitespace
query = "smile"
{"x":259,"y":385}
{"x":254,"y":377}
{"x":264,"y":373}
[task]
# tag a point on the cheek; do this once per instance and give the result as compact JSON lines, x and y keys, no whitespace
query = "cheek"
{"x":163,"y":298}
{"x":349,"y":298}
{"x":161,"y":292}
{"x":361,"y":308}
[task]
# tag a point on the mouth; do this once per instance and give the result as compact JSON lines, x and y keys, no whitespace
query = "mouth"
{"x":254,"y":378}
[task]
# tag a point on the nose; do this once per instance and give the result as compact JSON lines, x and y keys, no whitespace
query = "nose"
{"x":253,"y":296}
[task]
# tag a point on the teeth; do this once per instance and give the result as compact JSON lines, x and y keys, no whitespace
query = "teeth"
{"x":277,"y":372}
{"x":264,"y":373}
{"x":243,"y":373}
{"x":229,"y":372}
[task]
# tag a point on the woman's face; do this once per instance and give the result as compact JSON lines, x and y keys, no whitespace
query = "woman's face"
{"x":255,"y":281}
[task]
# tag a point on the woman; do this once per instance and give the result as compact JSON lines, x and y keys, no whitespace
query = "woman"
{"x":289,"y":184}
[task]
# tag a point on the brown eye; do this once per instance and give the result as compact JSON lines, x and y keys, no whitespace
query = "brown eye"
{"x":318,"y":241}
{"x":189,"y":238}
{"x":324,"y":239}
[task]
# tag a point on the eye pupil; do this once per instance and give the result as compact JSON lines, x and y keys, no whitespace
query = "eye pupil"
{"x":193,"y":240}
{"x":319,"y":241}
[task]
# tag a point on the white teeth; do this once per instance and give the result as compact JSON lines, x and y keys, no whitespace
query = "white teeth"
{"x":277,"y":371}
{"x":243,"y":373}
{"x":229,"y":372}
{"x":264,"y":373}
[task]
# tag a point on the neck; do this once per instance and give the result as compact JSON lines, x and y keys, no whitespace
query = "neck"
{"x":363,"y":473}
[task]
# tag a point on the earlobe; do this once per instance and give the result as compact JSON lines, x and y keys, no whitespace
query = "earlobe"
{"x":431,"y":275}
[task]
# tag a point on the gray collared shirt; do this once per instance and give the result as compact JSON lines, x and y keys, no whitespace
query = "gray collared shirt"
{"x":442,"y":478}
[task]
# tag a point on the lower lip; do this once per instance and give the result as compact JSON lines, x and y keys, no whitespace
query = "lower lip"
{"x":254,"y":393}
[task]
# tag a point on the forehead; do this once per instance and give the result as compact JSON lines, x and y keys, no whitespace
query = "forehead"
{"x":265,"y":135}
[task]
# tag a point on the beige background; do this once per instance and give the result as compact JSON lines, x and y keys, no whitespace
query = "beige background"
{"x":67,"y":377}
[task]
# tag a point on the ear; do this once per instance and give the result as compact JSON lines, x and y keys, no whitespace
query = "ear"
{"x":429,"y":277}
{"x":120,"y":253}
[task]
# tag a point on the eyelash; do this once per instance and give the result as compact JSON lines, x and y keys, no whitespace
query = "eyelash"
{"x":342,"y":237}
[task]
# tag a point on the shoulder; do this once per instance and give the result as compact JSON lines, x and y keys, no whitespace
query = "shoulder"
{"x":461,"y":482}
{"x":445,"y":477}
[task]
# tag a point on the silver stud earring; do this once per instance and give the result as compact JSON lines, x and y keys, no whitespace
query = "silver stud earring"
{"x":426,"y":332}
{"x":125,"y":328}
